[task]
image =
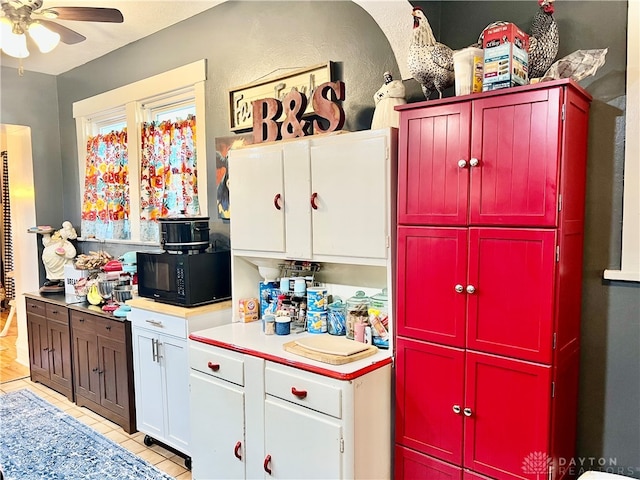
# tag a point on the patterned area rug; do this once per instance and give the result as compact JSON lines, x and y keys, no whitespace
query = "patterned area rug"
{"x":40,"y":441}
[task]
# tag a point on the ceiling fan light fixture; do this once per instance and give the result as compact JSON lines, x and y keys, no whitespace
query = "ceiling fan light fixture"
{"x":45,"y":39}
{"x":14,"y":42}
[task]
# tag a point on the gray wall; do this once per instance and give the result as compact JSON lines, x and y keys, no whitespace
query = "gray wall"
{"x":244,"y":41}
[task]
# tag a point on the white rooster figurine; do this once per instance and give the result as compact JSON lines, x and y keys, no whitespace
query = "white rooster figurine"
{"x":430,"y":62}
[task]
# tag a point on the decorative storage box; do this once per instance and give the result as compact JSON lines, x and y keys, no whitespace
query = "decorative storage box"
{"x":506,"y":61}
{"x":71,"y":277}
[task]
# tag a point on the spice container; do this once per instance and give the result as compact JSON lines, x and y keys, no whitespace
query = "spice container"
{"x":269,"y":324}
{"x":357,"y":312}
{"x":283,"y":325}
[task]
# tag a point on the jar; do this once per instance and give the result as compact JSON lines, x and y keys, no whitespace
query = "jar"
{"x":357,"y":312}
{"x":379,"y":319}
{"x":337,"y":317}
{"x":283,"y":325}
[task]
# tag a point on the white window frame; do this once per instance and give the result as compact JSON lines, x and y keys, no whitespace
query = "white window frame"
{"x":630,"y":261}
{"x":135,"y":100}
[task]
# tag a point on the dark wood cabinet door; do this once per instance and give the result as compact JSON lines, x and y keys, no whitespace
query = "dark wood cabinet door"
{"x":516,"y":141}
{"x":60,"y":367}
{"x":507,"y":428}
{"x":86,"y":365}
{"x":433,"y":168}
{"x":38,"y":345}
{"x":432,"y":275}
{"x":511,"y":309}
{"x":114,"y":376}
{"x":429,"y":396}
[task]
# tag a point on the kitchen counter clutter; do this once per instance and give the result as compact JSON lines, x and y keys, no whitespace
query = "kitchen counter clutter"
{"x":248,"y":338}
{"x":257,"y":408}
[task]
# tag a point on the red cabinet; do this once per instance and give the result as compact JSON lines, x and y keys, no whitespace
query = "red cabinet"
{"x":489,"y":268}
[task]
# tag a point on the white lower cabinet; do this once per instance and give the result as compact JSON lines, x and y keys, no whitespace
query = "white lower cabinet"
{"x":256,"y":418}
{"x":161,"y":369}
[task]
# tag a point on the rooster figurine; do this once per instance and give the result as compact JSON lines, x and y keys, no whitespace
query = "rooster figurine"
{"x":430,"y":62}
{"x":543,"y":40}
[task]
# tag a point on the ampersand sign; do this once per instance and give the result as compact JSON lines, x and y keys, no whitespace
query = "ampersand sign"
{"x":294,"y":104}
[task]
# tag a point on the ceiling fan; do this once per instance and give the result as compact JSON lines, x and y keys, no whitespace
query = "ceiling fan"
{"x":20,"y":17}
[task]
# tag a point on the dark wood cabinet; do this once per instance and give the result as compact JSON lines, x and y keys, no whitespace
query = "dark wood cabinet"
{"x":489,"y":272}
{"x":50,"y":346}
{"x":103,"y":366}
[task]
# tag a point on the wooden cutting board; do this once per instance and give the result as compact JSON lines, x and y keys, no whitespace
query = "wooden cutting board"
{"x":330,"y":349}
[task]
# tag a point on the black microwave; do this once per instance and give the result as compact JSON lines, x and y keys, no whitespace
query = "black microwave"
{"x":187,"y":280}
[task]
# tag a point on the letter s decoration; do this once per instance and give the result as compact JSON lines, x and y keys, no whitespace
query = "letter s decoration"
{"x":326,"y":108}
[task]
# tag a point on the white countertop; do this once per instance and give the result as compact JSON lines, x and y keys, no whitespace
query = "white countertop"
{"x":248,"y":338}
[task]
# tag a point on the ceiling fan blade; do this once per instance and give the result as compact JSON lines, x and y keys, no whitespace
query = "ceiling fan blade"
{"x":87,"y":14}
{"x":67,"y":35}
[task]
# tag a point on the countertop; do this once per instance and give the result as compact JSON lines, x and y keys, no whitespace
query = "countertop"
{"x":248,"y":338}
{"x":137,"y":302}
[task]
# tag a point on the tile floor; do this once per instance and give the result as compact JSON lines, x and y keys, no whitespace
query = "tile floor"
{"x":162,"y":458}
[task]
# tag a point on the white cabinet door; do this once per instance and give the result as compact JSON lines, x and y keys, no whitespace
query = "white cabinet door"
{"x":257,"y":199}
{"x":348,"y":180}
{"x":301,"y":443}
{"x":175,"y":363}
{"x":217,"y":428}
{"x":148,"y":384}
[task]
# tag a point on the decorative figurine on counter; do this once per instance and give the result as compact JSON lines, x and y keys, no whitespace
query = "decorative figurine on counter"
{"x":58,"y":251}
{"x":386,"y":98}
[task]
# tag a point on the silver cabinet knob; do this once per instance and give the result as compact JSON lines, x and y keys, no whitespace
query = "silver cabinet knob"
{"x":459,"y":288}
{"x":467,"y":412}
{"x":462,"y":163}
{"x":471,"y":289}
{"x":474,"y":162}
{"x":456,"y":409}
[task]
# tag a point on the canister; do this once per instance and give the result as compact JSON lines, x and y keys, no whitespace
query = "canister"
{"x":283,"y":325}
{"x":336,"y":317}
{"x":357,"y":312}
{"x":317,"y":322}
{"x":269,"y":324}
{"x":316,"y":299}
{"x":379,"y":319}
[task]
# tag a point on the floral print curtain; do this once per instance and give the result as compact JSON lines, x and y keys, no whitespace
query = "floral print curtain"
{"x":105,"y":205}
{"x":168,"y":175}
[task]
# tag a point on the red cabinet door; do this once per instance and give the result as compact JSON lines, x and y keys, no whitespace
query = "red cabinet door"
{"x":511,"y":274}
{"x":507,"y":425}
{"x":433,"y":186}
{"x":431,"y":263}
{"x":429,"y":392}
{"x":515,"y":141}
{"x":412,"y":465}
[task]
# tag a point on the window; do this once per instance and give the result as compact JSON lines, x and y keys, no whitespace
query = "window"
{"x":164,"y":101}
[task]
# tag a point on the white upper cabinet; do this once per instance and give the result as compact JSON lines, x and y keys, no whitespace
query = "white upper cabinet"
{"x":320,"y":198}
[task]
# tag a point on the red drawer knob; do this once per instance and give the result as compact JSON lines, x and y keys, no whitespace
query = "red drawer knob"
{"x":236,"y":451}
{"x":298,"y":393}
{"x":267,"y":460}
{"x":213,"y":366}
{"x":276,"y":201}
{"x":314,"y":196}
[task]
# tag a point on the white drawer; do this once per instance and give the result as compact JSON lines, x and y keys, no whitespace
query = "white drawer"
{"x":304,"y":388}
{"x":158,"y":322}
{"x":218,"y":362}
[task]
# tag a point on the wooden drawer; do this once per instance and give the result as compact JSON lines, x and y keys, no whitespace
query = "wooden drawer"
{"x":304,"y":388}
{"x":57,"y":313}
{"x":220,"y":363}
{"x":36,"y":306}
{"x":158,"y":322}
{"x":113,"y":329}
{"x":83,"y":321}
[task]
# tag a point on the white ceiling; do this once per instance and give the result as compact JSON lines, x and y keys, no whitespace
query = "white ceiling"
{"x":144,"y":17}
{"x":141,"y":18}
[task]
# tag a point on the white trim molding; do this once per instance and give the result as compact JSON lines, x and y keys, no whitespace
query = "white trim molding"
{"x":630,"y":261}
